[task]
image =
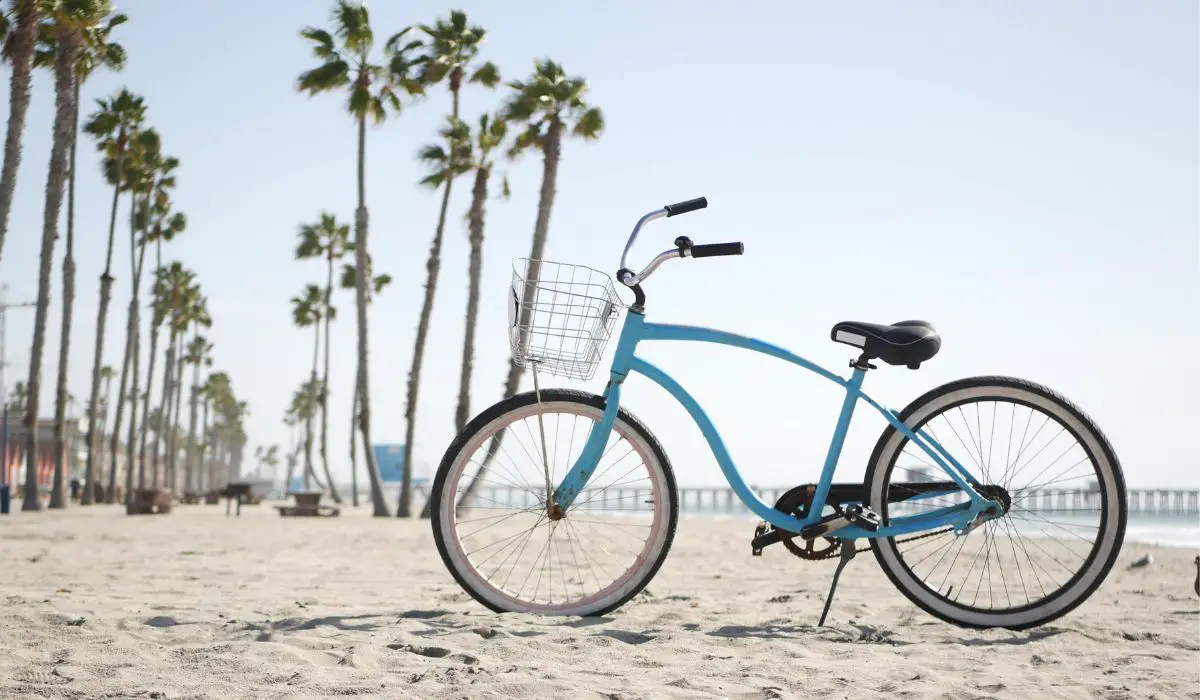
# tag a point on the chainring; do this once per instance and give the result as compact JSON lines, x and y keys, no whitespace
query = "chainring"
{"x":796,"y":502}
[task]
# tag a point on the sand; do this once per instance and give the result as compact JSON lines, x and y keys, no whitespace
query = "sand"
{"x":196,"y":605}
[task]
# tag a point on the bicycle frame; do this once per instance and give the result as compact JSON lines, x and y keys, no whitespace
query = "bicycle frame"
{"x":636,"y":329}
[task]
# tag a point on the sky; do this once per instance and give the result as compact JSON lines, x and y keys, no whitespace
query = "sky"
{"x":1025,"y":175}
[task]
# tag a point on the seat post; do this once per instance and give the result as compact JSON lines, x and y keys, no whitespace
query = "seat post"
{"x":863,"y":363}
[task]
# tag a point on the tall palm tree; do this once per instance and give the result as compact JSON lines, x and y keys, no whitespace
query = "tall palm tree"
{"x":374,"y":287}
{"x":173,"y":290}
{"x":146,"y":164}
{"x":551,"y":105}
{"x":69,"y":18}
{"x":163,"y":225}
{"x":199,"y":354}
{"x":20,"y":43}
{"x":95,"y":52}
{"x":330,"y":241}
{"x":374,"y":86}
{"x":142,"y":153}
{"x":446,"y":163}
{"x":113,"y":124}
{"x":452,"y":46}
{"x":193,"y":317}
{"x":307,"y":310}
{"x":489,"y":137}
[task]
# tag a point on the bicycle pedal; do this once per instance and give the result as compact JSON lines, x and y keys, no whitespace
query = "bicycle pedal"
{"x":757,"y":544}
{"x":863,"y":517}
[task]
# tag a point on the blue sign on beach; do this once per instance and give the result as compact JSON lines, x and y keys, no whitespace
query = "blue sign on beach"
{"x":390,"y":459}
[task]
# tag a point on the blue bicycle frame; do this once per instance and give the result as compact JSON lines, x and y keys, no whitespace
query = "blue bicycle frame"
{"x":636,"y":329}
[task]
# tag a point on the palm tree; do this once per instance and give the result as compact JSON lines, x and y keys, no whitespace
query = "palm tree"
{"x":307,"y":310}
{"x":20,"y":43}
{"x":376,"y":285}
{"x":492,"y":131}
{"x":145,"y":161}
{"x":95,"y":51}
{"x":162,"y":226}
{"x":193,"y":317}
{"x":551,"y":105}
{"x":453,"y":45}
{"x":373,"y":88}
{"x":447,"y":163}
{"x":69,"y":20}
{"x":329,"y":240}
{"x":199,"y":353}
{"x":142,"y":152}
{"x":173,"y":291}
{"x":116,"y":120}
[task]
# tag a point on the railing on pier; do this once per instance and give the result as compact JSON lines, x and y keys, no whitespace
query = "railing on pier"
{"x":721,"y":500}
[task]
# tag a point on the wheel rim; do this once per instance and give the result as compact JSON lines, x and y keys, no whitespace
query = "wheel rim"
{"x":1036,"y":560}
{"x":517,"y":558}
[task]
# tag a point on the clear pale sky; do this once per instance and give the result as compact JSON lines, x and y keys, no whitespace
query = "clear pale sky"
{"x":1023,"y":174}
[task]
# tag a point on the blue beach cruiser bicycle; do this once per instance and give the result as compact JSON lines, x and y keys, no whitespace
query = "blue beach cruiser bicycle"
{"x":988,"y":502}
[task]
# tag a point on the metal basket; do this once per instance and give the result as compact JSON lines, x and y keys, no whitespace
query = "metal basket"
{"x":560,"y":317}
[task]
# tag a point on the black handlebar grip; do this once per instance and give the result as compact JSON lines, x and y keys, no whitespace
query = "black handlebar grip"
{"x":712,"y":250}
{"x":685,"y":207}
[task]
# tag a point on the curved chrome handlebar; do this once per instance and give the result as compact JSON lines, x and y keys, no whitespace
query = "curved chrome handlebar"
{"x":656,"y":214}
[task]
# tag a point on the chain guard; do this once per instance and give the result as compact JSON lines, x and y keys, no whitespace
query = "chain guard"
{"x":796,"y":502}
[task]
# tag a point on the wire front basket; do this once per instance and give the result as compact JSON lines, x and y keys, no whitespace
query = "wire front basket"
{"x":560,"y":317}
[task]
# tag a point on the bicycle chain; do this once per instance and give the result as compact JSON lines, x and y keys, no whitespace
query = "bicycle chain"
{"x":835,"y":553}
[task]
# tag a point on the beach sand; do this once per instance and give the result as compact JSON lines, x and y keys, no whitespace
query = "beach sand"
{"x":193,"y":604}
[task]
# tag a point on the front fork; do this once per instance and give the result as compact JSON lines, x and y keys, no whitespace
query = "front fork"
{"x":573,"y":483}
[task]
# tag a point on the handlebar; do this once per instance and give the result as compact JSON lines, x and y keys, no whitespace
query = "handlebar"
{"x":684,"y":247}
{"x":685,"y":207}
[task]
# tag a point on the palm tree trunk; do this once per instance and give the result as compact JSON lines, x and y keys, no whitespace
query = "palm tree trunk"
{"x":360,"y":294}
{"x":310,"y":407}
{"x":162,"y":434}
{"x":354,"y":446}
{"x":131,"y":446}
{"x":20,"y":49}
{"x":156,"y":319}
{"x":551,"y":150}
{"x":114,"y":449}
{"x":64,"y":99}
{"x":475,"y":221}
{"x":337,"y":497}
{"x":204,"y":483}
{"x":189,"y":458}
{"x":131,"y":325}
{"x":106,"y":282}
{"x":173,"y":439}
{"x":58,"y":494}
{"x":432,"y":266}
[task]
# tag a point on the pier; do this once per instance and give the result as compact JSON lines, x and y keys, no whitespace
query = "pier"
{"x":722,"y":500}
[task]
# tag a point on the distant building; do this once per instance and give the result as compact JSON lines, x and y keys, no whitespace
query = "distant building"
{"x":14,"y":460}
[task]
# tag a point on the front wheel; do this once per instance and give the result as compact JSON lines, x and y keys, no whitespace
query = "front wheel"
{"x":501,"y":543}
{"x":1057,"y":477}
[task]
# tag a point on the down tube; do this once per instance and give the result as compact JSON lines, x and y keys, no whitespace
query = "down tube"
{"x":747,"y":496}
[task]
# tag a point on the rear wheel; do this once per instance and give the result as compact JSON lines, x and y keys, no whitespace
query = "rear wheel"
{"x":504,"y":548}
{"x":1055,"y":473}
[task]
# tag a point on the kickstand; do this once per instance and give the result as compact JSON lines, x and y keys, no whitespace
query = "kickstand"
{"x":847,"y":555}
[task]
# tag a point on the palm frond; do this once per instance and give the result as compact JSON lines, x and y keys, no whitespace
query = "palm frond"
{"x":328,"y":76}
{"x":589,"y":124}
{"x":487,"y":75}
{"x":322,"y":43}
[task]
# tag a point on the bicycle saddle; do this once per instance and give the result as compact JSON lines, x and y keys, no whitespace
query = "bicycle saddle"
{"x":902,"y":343}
